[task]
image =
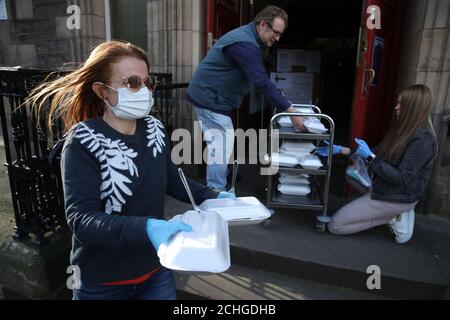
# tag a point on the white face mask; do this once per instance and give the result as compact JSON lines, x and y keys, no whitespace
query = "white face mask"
{"x":132,"y":105}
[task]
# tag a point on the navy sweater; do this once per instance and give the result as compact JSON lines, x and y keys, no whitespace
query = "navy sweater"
{"x":112,"y":184}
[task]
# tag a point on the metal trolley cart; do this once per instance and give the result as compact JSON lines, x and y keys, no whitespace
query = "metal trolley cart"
{"x":317,"y":199}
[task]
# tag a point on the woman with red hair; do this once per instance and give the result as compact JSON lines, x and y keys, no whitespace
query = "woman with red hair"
{"x":116,"y":169}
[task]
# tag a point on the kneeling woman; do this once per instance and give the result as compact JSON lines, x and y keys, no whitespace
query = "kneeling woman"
{"x":400,"y":167}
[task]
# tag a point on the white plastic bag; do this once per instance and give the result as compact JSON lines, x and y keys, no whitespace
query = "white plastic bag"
{"x":358,"y":171}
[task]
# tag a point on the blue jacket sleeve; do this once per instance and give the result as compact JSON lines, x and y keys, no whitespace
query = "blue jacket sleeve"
{"x":248,"y":57}
{"x":417,"y":153}
{"x":81,"y":179}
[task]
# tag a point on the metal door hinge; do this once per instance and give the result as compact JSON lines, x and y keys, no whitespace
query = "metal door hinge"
{"x":211,"y":40}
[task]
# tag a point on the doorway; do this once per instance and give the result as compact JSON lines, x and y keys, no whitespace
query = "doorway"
{"x":330,"y":28}
{"x":347,"y":57}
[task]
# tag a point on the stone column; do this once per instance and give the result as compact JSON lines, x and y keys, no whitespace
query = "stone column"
{"x":175,"y":45}
{"x":425,"y":58}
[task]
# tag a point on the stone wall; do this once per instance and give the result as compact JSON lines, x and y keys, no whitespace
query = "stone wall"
{"x":425,"y":58}
{"x":36,"y":35}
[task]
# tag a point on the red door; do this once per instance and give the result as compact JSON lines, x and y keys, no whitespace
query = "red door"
{"x":378,"y":56}
{"x":222,"y":16}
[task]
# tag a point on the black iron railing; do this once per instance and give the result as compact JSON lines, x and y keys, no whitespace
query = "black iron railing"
{"x":36,"y":189}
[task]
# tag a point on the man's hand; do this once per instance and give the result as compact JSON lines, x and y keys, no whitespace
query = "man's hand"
{"x":297,"y":121}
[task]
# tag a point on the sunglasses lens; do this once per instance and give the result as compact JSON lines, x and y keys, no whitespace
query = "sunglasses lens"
{"x":133,"y":82}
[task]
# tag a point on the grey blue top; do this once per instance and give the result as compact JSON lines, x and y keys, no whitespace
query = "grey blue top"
{"x":406,"y":180}
{"x":226,"y":75}
{"x":112,"y":184}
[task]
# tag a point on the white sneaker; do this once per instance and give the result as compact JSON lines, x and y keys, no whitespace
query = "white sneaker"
{"x":402,"y":226}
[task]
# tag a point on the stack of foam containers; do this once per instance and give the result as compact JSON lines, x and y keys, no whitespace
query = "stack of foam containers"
{"x":312,"y":124}
{"x":295,"y":184}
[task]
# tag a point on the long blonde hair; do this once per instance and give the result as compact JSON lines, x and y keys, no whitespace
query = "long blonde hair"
{"x":415,"y":109}
{"x":72,"y":98}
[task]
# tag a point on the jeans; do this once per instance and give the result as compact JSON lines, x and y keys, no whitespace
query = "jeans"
{"x":218,"y":133}
{"x":160,"y":286}
{"x":365,"y":213}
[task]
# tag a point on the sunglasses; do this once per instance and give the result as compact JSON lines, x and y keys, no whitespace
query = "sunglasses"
{"x":134,"y":82}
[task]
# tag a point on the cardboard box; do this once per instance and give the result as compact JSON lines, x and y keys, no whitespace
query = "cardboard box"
{"x":296,"y":86}
{"x":298,"y":60}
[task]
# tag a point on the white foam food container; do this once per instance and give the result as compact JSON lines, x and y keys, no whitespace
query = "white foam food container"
{"x":294,"y":175}
{"x":294,"y":180}
{"x":313,"y":125}
{"x":310,"y":162}
{"x":294,"y":190}
{"x":204,"y":249}
{"x":238,"y":212}
{"x":291,"y":146}
{"x":286,"y":121}
{"x":297,"y":154}
{"x":284,"y":160}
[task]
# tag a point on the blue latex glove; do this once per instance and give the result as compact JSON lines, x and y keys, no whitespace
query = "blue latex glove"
{"x":226,"y":194}
{"x":160,"y":231}
{"x":323,"y":151}
{"x":363,"y":149}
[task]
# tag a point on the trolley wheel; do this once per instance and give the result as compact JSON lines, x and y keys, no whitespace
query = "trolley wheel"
{"x":267,"y":223}
{"x":321,"y":223}
{"x":321,"y":227}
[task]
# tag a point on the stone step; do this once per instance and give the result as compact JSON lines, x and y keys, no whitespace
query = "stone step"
{"x":419,"y":269}
{"x":243,"y":283}
{"x":291,"y":247}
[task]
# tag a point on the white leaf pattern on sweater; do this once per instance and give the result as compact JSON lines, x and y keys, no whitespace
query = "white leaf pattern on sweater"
{"x":114,"y":156}
{"x":155,"y":135}
{"x":116,"y":160}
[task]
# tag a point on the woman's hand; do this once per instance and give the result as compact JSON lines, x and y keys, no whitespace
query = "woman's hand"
{"x":226,"y":194}
{"x":160,"y":231}
{"x":363,"y":149}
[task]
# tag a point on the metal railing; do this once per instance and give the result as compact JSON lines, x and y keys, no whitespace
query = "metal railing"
{"x":36,"y":189}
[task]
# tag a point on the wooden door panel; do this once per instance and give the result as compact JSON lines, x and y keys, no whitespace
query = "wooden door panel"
{"x":223,"y":16}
